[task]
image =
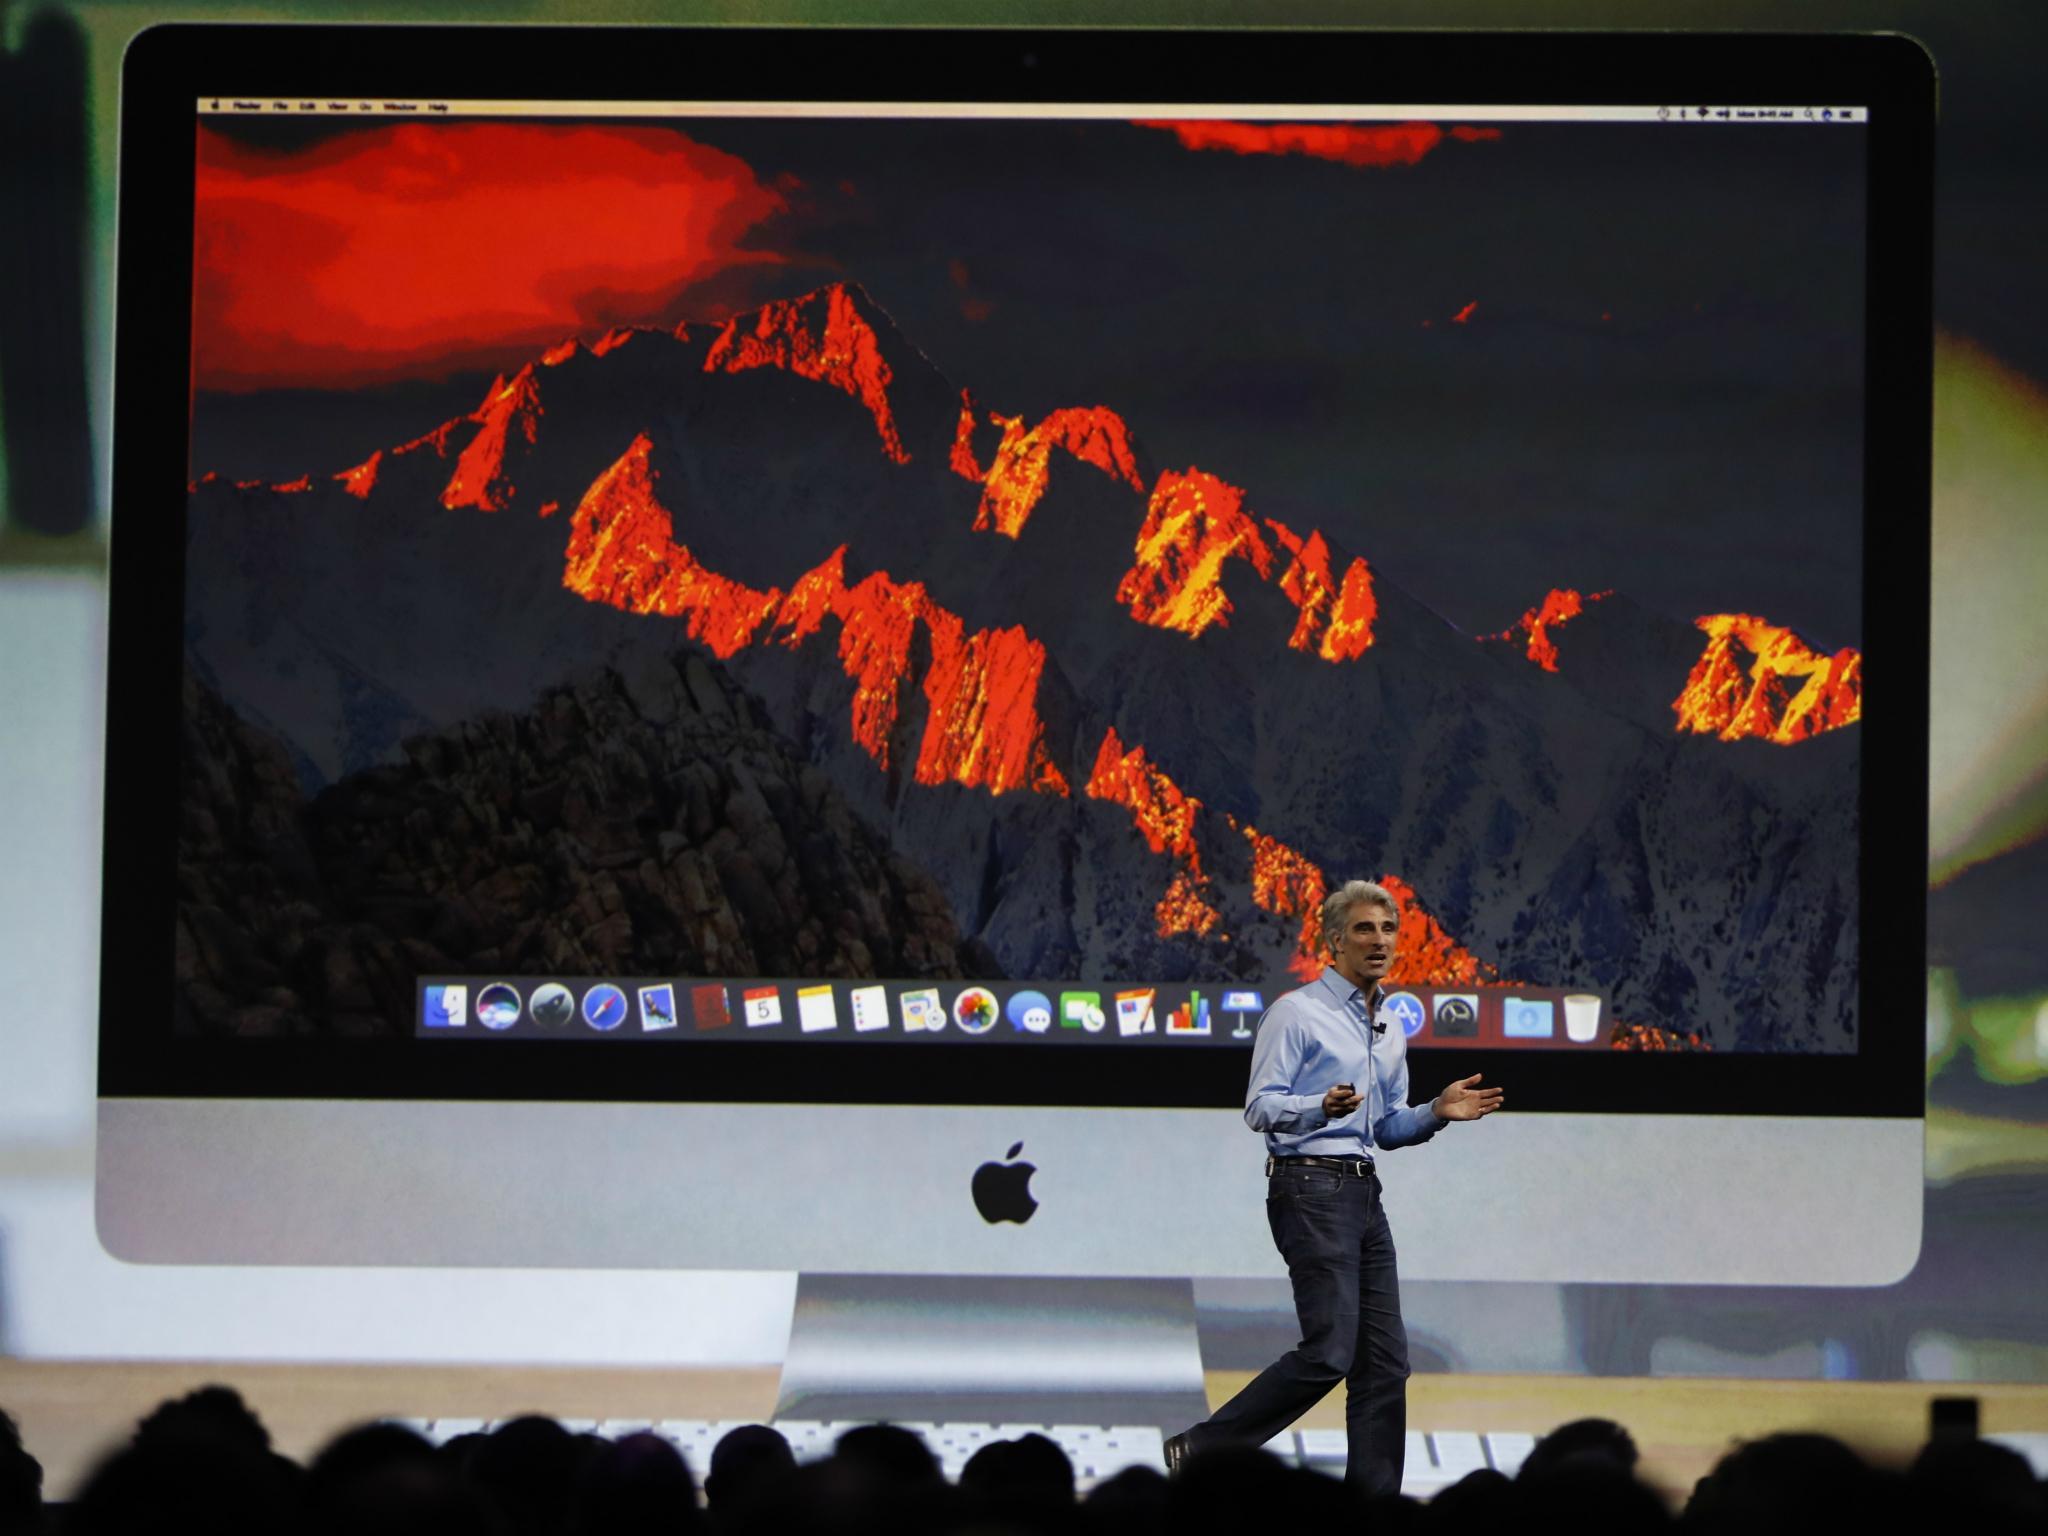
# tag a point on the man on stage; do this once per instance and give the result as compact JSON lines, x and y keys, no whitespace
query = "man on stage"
{"x":1329,"y":1088}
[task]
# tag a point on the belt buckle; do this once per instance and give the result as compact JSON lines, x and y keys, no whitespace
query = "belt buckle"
{"x":1360,"y":1167}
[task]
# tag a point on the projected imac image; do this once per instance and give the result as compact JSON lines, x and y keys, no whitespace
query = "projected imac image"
{"x":707,"y":659}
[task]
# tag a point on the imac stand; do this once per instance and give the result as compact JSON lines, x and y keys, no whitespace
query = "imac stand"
{"x":994,"y":1349}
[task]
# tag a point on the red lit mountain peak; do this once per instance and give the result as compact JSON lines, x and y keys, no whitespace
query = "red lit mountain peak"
{"x":1015,"y":480}
{"x":435,"y":441}
{"x":622,"y":552}
{"x":1193,"y":524}
{"x":1427,"y":954}
{"x":963,"y":462}
{"x":825,"y":336}
{"x":1559,"y":606}
{"x":1288,"y":884}
{"x":1196,"y":525}
{"x":982,"y":728}
{"x":1336,"y":619}
{"x":510,"y":412}
{"x":361,"y":480}
{"x":1760,"y":679}
{"x":1162,"y":814}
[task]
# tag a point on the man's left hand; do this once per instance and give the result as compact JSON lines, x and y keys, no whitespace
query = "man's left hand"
{"x":1466,"y":1100}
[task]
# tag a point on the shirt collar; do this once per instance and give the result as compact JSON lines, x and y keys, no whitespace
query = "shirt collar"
{"x":1343,"y":992}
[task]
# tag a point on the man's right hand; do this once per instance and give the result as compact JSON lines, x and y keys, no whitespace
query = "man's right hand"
{"x":1340,"y":1101}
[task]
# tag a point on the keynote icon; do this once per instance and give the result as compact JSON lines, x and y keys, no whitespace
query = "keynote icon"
{"x":1002,"y":1191}
{"x":1582,"y":1018}
{"x":1082,"y":1010}
{"x":707,"y":1006}
{"x":1237,"y":1005}
{"x":815,"y":1012}
{"x":604,"y":1007}
{"x":657,"y":1008}
{"x":1457,"y":1015}
{"x":1405,"y":1009}
{"x":1030,"y":1012}
{"x":923,"y":1011}
{"x":1134,"y":1011}
{"x":497,"y":1006}
{"x":552,"y":1005}
{"x":1527,"y":1018}
{"x":763,"y":1005}
{"x":975,"y":1010}
{"x":870,"y":1009}
{"x":447,"y":1007}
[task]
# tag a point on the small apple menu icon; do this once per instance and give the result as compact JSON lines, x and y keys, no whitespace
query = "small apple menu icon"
{"x":1002,"y":1191}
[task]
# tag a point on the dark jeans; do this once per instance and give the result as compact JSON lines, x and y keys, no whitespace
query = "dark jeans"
{"x":1332,"y":1231}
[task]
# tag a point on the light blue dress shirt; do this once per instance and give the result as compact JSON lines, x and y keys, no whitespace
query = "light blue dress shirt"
{"x":1309,"y":1041}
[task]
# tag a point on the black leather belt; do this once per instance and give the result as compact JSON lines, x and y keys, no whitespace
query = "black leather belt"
{"x":1357,"y":1167}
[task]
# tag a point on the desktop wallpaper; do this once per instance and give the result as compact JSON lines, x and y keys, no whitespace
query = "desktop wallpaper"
{"x":768,"y":547}
{"x":1968,"y":1313}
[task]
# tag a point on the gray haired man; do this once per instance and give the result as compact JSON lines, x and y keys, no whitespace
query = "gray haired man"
{"x":1329,"y":1090}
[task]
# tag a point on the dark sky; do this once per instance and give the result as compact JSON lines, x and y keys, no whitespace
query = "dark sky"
{"x":1658,"y":389}
{"x":1263,"y":317}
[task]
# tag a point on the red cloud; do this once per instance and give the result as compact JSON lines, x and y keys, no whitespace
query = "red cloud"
{"x":417,"y":249}
{"x":1347,"y":143}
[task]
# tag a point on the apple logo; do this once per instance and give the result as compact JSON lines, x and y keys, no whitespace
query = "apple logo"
{"x":1002,"y":1191}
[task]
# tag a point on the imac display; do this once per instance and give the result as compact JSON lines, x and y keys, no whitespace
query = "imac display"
{"x":843,"y":609}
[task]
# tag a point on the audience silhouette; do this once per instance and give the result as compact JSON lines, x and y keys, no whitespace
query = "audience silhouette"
{"x":204,"y":1462}
{"x":21,"y":1482}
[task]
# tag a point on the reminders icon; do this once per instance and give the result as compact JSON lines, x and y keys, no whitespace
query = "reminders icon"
{"x":815,"y":1012}
{"x":870,"y":1009}
{"x":763,"y":1005}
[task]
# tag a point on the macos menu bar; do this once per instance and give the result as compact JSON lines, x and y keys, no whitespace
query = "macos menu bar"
{"x":1708,"y":114}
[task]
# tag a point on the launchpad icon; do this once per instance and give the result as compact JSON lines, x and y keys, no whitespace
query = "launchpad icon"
{"x":552,"y":1006}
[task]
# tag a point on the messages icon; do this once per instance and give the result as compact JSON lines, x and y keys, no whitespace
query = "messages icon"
{"x":1030,"y":1011}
